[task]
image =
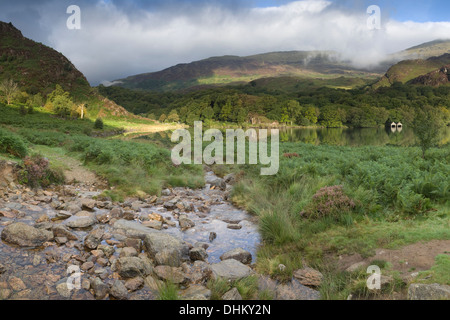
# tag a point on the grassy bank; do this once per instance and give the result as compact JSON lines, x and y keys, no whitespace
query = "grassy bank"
{"x":328,"y":201}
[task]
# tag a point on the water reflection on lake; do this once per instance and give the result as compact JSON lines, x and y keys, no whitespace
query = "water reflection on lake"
{"x":355,"y":137}
{"x":330,"y":136}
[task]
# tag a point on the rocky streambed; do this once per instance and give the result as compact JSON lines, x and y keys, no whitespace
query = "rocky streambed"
{"x":69,"y":243}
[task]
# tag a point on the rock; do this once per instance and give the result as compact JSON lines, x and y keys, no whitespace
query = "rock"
{"x":168,"y":257}
{"x":185,"y":223}
{"x":16,"y":284}
{"x":62,"y":215}
{"x":217,"y":183}
{"x":5,"y":294}
{"x":153,"y":283}
{"x":100,"y":289}
{"x":130,"y":267}
{"x":94,"y":238}
{"x":167,"y":273}
{"x":61,"y":240}
{"x":234,"y":226}
{"x":230,"y":178}
{"x":157,"y":242}
{"x":119,"y":291}
{"x":196,"y":292}
{"x":199,"y":273}
{"x":134,"y":284}
{"x":2,"y":268}
{"x":128,"y":252}
{"x":203,"y":245}
{"x":238,"y":254}
{"x":231,"y":270}
{"x":43,"y":218}
{"x":198,"y":254}
{"x":166,"y":192}
{"x":63,"y":290}
{"x":24,"y":235}
{"x":134,"y":243}
{"x":308,"y":277}
{"x":296,"y":291}
{"x":157,"y":225}
{"x":82,"y":219}
{"x":233,"y":294}
{"x":156,"y":217}
{"x":87,"y":266}
{"x":212,"y":236}
{"x":116,"y":213}
{"x":107,"y":250}
{"x":170,"y":205}
{"x":133,"y":229}
{"x":130,"y":215}
{"x":434,"y":291}
{"x":72,"y":207}
{"x":64,"y":232}
{"x":88,"y":204}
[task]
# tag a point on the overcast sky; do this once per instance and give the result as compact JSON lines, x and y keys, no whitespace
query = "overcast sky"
{"x":119,"y":38}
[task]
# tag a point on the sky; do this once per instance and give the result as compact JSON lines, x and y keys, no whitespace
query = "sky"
{"x":119,"y":38}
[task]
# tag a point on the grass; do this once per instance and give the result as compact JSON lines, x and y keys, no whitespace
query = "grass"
{"x":247,"y":287}
{"x":439,"y":273}
{"x":130,"y":167}
{"x":168,"y":291}
{"x":399,"y":199}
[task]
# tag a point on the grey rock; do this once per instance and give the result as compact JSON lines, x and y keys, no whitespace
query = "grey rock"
{"x":133,"y":229}
{"x":175,"y":275}
{"x":185,"y":222}
{"x":238,"y":254}
{"x":231,"y":270}
{"x":88,"y":204}
{"x":168,"y":257}
{"x":94,"y":238}
{"x":119,"y":291}
{"x":308,"y":277}
{"x":130,"y":267}
{"x":198,"y":273}
{"x":159,"y":241}
{"x":63,"y":290}
{"x":128,"y":252}
{"x":196,"y":292}
{"x":64,"y":232}
{"x":82,"y":219}
{"x":296,"y":291}
{"x":233,"y":294}
{"x":417,"y":291}
{"x":198,"y":254}
{"x":101,"y":289}
{"x":24,"y":235}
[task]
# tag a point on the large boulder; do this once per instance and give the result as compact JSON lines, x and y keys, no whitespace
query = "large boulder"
{"x":418,"y":291}
{"x":24,"y":235}
{"x":133,"y":229}
{"x":231,"y":270}
{"x":82,"y":219}
{"x":130,"y":267}
{"x":157,"y":242}
{"x":294,"y":290}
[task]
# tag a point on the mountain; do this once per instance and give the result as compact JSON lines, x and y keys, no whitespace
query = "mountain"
{"x":426,"y":50}
{"x":435,"y":78}
{"x":234,"y":70}
{"x":408,"y":71}
{"x":36,"y":67}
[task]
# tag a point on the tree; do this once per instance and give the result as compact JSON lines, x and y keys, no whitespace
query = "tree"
{"x":162,"y":118}
{"x":173,"y":116}
{"x":427,"y":126}
{"x":9,"y":88}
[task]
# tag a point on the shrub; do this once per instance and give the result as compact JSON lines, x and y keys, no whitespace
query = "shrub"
{"x":329,"y":202}
{"x":12,"y":144}
{"x":37,"y":172}
{"x":98,"y":124}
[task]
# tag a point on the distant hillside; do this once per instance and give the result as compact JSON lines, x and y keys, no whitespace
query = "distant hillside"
{"x":235,"y":70}
{"x":409,"y":70}
{"x":435,"y":78}
{"x":36,"y":67}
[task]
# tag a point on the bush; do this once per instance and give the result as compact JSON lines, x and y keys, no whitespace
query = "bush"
{"x":37,"y":172}
{"x":98,"y":124}
{"x":329,"y":202}
{"x":12,"y":144}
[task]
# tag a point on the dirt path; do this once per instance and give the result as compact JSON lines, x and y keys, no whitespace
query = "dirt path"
{"x":411,"y":258}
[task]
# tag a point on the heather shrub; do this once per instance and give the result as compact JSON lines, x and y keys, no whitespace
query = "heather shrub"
{"x":329,"y":202}
{"x":36,"y":172}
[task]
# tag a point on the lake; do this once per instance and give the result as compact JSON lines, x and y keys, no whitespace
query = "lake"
{"x":331,"y":136}
{"x":355,"y":136}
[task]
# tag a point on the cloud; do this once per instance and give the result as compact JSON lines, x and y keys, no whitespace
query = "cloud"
{"x":124,"y":37}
